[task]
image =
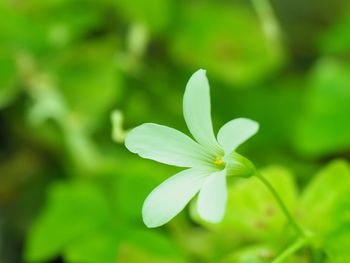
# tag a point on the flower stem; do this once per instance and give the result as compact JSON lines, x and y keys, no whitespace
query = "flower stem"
{"x":290,"y":218}
{"x":290,"y":250}
{"x":270,"y":24}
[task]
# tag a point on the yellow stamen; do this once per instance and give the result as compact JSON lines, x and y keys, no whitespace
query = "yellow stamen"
{"x":218,"y":161}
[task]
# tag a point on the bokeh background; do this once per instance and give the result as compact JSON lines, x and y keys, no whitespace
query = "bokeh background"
{"x":76,"y":75}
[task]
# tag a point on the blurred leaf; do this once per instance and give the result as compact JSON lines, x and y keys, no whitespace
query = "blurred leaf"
{"x":337,"y":246}
{"x":72,"y":212}
{"x":252,"y":212}
{"x":133,"y":185}
{"x":145,"y":246}
{"x":124,"y":244}
{"x":324,"y":127}
{"x":227,"y":40}
{"x":101,"y":246}
{"x":337,"y":241}
{"x":153,"y":242}
{"x":155,"y":14}
{"x":89,"y":80}
{"x":68,"y":21}
{"x":330,"y":188}
{"x":253,"y":254}
{"x":20,"y":31}
{"x":336,"y":40}
{"x":130,"y":194}
{"x":39,"y":26}
{"x":260,"y":104}
{"x":8,"y":75}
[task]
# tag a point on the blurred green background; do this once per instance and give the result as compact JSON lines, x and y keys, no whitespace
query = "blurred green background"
{"x":70,"y":193}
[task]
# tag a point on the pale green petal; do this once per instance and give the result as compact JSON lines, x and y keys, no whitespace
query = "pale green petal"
{"x":196,"y":108}
{"x":235,"y":132}
{"x":212,"y":197}
{"x":170,"y":198}
{"x":166,"y":145}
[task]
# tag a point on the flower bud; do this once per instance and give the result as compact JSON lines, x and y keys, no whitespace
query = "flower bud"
{"x":239,"y":166}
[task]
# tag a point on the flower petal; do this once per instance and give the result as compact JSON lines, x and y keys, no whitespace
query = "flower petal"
{"x":170,"y":197}
{"x":166,"y":145}
{"x":196,"y":108}
{"x":212,"y":197}
{"x":235,"y":132}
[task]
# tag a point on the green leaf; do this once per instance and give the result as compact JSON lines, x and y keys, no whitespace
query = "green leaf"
{"x":337,"y":245}
{"x":324,"y":127}
{"x":131,"y":209}
{"x":252,"y":254}
{"x":337,"y":241}
{"x":38,"y":26}
{"x":225,"y":39}
{"x":336,"y":40}
{"x":155,"y":14}
{"x":89,"y":80}
{"x":72,"y":212}
{"x":153,"y":242}
{"x":319,"y":200}
{"x":20,"y":32}
{"x":8,"y":75}
{"x":129,"y":193}
{"x":252,"y":211}
{"x":69,"y":21}
{"x":111,"y":245}
{"x":145,"y":246}
{"x":100,"y":246}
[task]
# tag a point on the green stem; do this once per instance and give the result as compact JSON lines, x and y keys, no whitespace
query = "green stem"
{"x":290,"y":218}
{"x":290,"y":250}
{"x":270,"y":24}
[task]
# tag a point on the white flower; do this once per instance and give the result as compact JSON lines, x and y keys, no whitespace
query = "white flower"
{"x":209,"y":160}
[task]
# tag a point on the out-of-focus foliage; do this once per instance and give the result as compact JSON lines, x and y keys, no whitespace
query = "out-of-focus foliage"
{"x":326,"y":110}
{"x":69,"y":193}
{"x":262,"y":218}
{"x":207,"y":37}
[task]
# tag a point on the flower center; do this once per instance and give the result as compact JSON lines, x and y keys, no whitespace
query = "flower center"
{"x":219,"y":162}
